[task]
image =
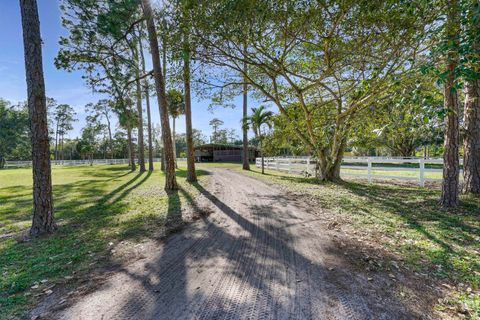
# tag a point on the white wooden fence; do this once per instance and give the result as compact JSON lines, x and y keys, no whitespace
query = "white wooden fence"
{"x":364,"y":167}
{"x":77,"y":162}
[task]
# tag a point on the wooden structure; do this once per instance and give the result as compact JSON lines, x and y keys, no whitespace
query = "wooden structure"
{"x":223,"y":153}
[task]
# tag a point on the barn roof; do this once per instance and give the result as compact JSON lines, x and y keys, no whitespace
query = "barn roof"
{"x":222,"y":146}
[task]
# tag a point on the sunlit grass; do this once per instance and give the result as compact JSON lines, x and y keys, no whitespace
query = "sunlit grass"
{"x":400,"y":173}
{"x":95,"y":207}
{"x":213,"y":164}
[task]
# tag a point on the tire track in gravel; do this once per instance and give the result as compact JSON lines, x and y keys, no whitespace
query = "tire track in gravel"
{"x":259,"y":255}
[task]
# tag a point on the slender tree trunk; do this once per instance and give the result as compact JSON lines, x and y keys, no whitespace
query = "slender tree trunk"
{"x":56,"y":142}
{"x":109,"y":128}
{"x":471,"y":161}
{"x":104,"y":147}
{"x":149,"y":119}
{"x":245,"y":160}
{"x":261,"y":153}
{"x":451,"y":166}
{"x":131,"y":150}
{"x":141,"y":147}
{"x":191,"y":175}
{"x":110,"y":139}
{"x":61,"y":148}
{"x":43,"y":220}
{"x":149,"y":116}
{"x":263,"y":161}
{"x":164,"y":69}
{"x":170,"y":179}
{"x":174,"y":144}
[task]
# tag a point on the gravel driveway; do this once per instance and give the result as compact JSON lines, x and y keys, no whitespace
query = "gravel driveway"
{"x":261,"y":253}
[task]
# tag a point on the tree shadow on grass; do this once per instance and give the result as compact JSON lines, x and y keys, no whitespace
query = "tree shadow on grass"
{"x":418,"y":210}
{"x":112,"y":172}
{"x":72,"y":248}
{"x":182,"y":173}
{"x":417,"y":206}
{"x":17,"y":201}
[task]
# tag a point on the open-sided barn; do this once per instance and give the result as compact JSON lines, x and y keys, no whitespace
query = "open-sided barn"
{"x":223,"y":152}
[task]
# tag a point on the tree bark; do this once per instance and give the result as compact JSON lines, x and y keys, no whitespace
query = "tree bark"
{"x":61,"y":148}
{"x":170,"y":179}
{"x":149,"y":119}
{"x":191,"y":175}
{"x":43,"y":214}
{"x":245,"y":160}
{"x":471,"y":162}
{"x":164,"y":69}
{"x":329,"y":160}
{"x":149,"y":116}
{"x":131,"y":150}
{"x":141,"y":147}
{"x":451,"y":166}
{"x":174,"y":144}
{"x":109,"y":135}
{"x":329,"y":169}
{"x":56,"y":142}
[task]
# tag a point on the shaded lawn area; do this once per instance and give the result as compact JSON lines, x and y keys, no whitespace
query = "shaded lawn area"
{"x":95,"y":207}
{"x":408,"y":222}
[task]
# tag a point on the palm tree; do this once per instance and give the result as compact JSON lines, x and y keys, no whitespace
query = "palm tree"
{"x":257,"y":121}
{"x":176,"y":107}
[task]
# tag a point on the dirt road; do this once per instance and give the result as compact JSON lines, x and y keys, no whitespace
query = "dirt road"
{"x":261,"y":254}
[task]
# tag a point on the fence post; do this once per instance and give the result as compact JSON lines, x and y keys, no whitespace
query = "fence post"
{"x":289,"y":165}
{"x":308,"y":165}
{"x":369,"y":161}
{"x":277,"y":165}
{"x":422,"y":172}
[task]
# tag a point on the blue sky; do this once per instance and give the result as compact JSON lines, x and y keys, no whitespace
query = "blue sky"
{"x":68,"y":87}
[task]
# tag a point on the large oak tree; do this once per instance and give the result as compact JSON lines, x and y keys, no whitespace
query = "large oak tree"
{"x":324,"y":63}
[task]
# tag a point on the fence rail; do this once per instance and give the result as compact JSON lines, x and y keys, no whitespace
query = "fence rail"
{"x":73,"y":162}
{"x":370,"y":168}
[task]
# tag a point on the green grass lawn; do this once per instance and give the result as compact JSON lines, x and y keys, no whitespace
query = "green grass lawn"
{"x":95,"y":207}
{"x":408,"y":222}
{"x":213,"y":164}
{"x":401,"y":173}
